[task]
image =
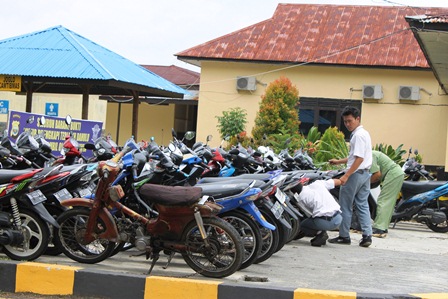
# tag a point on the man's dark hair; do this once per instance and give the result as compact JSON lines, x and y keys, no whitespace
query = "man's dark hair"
{"x":350,"y":110}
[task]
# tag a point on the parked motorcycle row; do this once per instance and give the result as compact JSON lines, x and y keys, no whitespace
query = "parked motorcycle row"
{"x":222,"y":211}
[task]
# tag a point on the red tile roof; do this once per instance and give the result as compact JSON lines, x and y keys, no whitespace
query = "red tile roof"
{"x":175,"y":74}
{"x":329,"y":34}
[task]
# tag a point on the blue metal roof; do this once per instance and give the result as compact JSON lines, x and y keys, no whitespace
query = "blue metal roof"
{"x":60,"y":53}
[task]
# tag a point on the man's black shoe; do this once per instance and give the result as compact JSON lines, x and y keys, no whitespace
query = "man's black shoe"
{"x":320,"y":239}
{"x":340,"y":240}
{"x":379,"y":233}
{"x":366,"y":241}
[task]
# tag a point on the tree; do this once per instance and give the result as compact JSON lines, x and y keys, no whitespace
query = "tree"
{"x":232,"y":122}
{"x":278,"y":109}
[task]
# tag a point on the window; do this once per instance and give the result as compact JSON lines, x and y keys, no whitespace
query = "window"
{"x":323,"y":113}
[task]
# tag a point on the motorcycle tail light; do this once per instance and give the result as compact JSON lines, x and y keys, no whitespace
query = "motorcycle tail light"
{"x":254,"y":197}
{"x":269,"y":191}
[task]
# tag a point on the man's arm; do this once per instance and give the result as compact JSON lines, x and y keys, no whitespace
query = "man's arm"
{"x":375,"y":177}
{"x":338,"y":161}
{"x":351,"y":170}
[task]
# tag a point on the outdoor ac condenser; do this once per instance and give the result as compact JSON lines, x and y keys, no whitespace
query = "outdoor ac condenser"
{"x":409,"y":93}
{"x":246,"y":83}
{"x":372,"y":92}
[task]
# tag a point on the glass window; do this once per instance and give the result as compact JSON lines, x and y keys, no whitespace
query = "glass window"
{"x":323,"y":113}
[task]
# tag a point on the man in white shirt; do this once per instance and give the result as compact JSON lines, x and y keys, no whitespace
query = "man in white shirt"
{"x":321,"y":208}
{"x":356,"y":180}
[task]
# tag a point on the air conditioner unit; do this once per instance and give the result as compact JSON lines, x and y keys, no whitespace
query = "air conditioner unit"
{"x":246,"y":83}
{"x":409,"y":93}
{"x":372,"y":92}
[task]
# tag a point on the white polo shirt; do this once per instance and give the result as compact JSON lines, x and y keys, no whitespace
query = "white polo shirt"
{"x":360,"y":146}
{"x":317,"y":201}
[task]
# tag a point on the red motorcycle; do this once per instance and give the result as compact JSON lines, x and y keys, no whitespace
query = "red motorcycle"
{"x":185,"y":223}
{"x":24,"y":220}
{"x":71,"y":151}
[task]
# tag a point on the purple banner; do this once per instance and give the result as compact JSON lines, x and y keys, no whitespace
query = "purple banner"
{"x":55,"y":129}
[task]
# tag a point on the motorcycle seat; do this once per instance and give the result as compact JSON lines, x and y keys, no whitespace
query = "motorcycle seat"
{"x":170,"y":195}
{"x":223,"y":189}
{"x":412,"y":187}
{"x":6,"y":175}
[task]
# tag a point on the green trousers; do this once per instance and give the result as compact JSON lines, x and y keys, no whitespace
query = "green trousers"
{"x":390,"y":187}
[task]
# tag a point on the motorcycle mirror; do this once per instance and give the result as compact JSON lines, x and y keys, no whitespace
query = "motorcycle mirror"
{"x":173,"y":133}
{"x":68,"y":119}
{"x":209,"y":138}
{"x":42,"y":120}
{"x":226,"y":138}
{"x":189,"y":135}
{"x":416,"y":152}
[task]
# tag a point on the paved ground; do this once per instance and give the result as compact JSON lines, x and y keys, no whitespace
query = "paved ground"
{"x":411,"y":260}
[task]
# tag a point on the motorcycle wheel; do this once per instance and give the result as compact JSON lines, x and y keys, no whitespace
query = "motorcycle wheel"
{"x":226,"y":252}
{"x":295,"y":224}
{"x":249,"y":232}
{"x":270,"y":239}
{"x":36,"y":234}
{"x":72,"y":224}
{"x":440,"y":227}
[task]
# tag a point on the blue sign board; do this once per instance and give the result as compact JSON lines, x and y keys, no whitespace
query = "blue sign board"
{"x":51,"y":109}
{"x":4,"y":106}
{"x":55,"y":130}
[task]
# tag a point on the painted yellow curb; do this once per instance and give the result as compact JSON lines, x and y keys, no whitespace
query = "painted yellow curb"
{"x":48,"y":279}
{"x":322,"y":294}
{"x":179,"y":288}
{"x":432,"y":295}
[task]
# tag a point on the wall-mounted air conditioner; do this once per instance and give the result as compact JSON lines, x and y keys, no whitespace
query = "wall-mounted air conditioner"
{"x":246,"y":83}
{"x":409,"y":93}
{"x":372,"y":92}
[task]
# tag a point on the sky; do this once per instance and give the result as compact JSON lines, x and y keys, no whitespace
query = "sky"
{"x":151,"y":31}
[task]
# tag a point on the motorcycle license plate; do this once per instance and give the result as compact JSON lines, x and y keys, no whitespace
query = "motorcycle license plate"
{"x":277,"y":209}
{"x":36,"y":197}
{"x":62,"y":194}
{"x":280,"y":195}
{"x":84,"y":192}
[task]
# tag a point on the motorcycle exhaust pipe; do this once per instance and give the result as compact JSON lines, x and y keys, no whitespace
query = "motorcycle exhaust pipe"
{"x":11,"y":237}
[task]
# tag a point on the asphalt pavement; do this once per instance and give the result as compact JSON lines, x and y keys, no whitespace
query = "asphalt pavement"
{"x":410,"y":260}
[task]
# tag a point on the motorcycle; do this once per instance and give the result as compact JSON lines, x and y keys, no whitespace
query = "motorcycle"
{"x":186,"y":223}
{"x":71,"y":151}
{"x":414,"y":171}
{"x":425,"y":202}
{"x":24,"y":220}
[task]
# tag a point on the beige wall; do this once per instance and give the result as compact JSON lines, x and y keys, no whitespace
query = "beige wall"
{"x":153,"y":120}
{"x":421,"y":124}
{"x":68,"y":105}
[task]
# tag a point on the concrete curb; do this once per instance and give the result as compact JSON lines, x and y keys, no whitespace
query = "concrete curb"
{"x":50,"y":279}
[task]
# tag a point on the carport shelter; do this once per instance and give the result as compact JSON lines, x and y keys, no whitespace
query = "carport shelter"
{"x":57,"y":60}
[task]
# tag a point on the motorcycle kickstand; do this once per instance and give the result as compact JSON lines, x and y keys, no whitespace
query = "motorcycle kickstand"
{"x":170,"y":257}
{"x":395,"y":223}
{"x":155,"y":257}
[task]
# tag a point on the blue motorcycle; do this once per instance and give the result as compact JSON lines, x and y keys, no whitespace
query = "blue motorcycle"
{"x":425,"y":202}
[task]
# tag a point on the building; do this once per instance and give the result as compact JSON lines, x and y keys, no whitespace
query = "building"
{"x":336,"y":55}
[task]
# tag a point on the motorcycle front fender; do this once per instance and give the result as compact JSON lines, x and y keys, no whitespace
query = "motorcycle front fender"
{"x":253,"y":210}
{"x":111,"y":232}
{"x":43,"y":213}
